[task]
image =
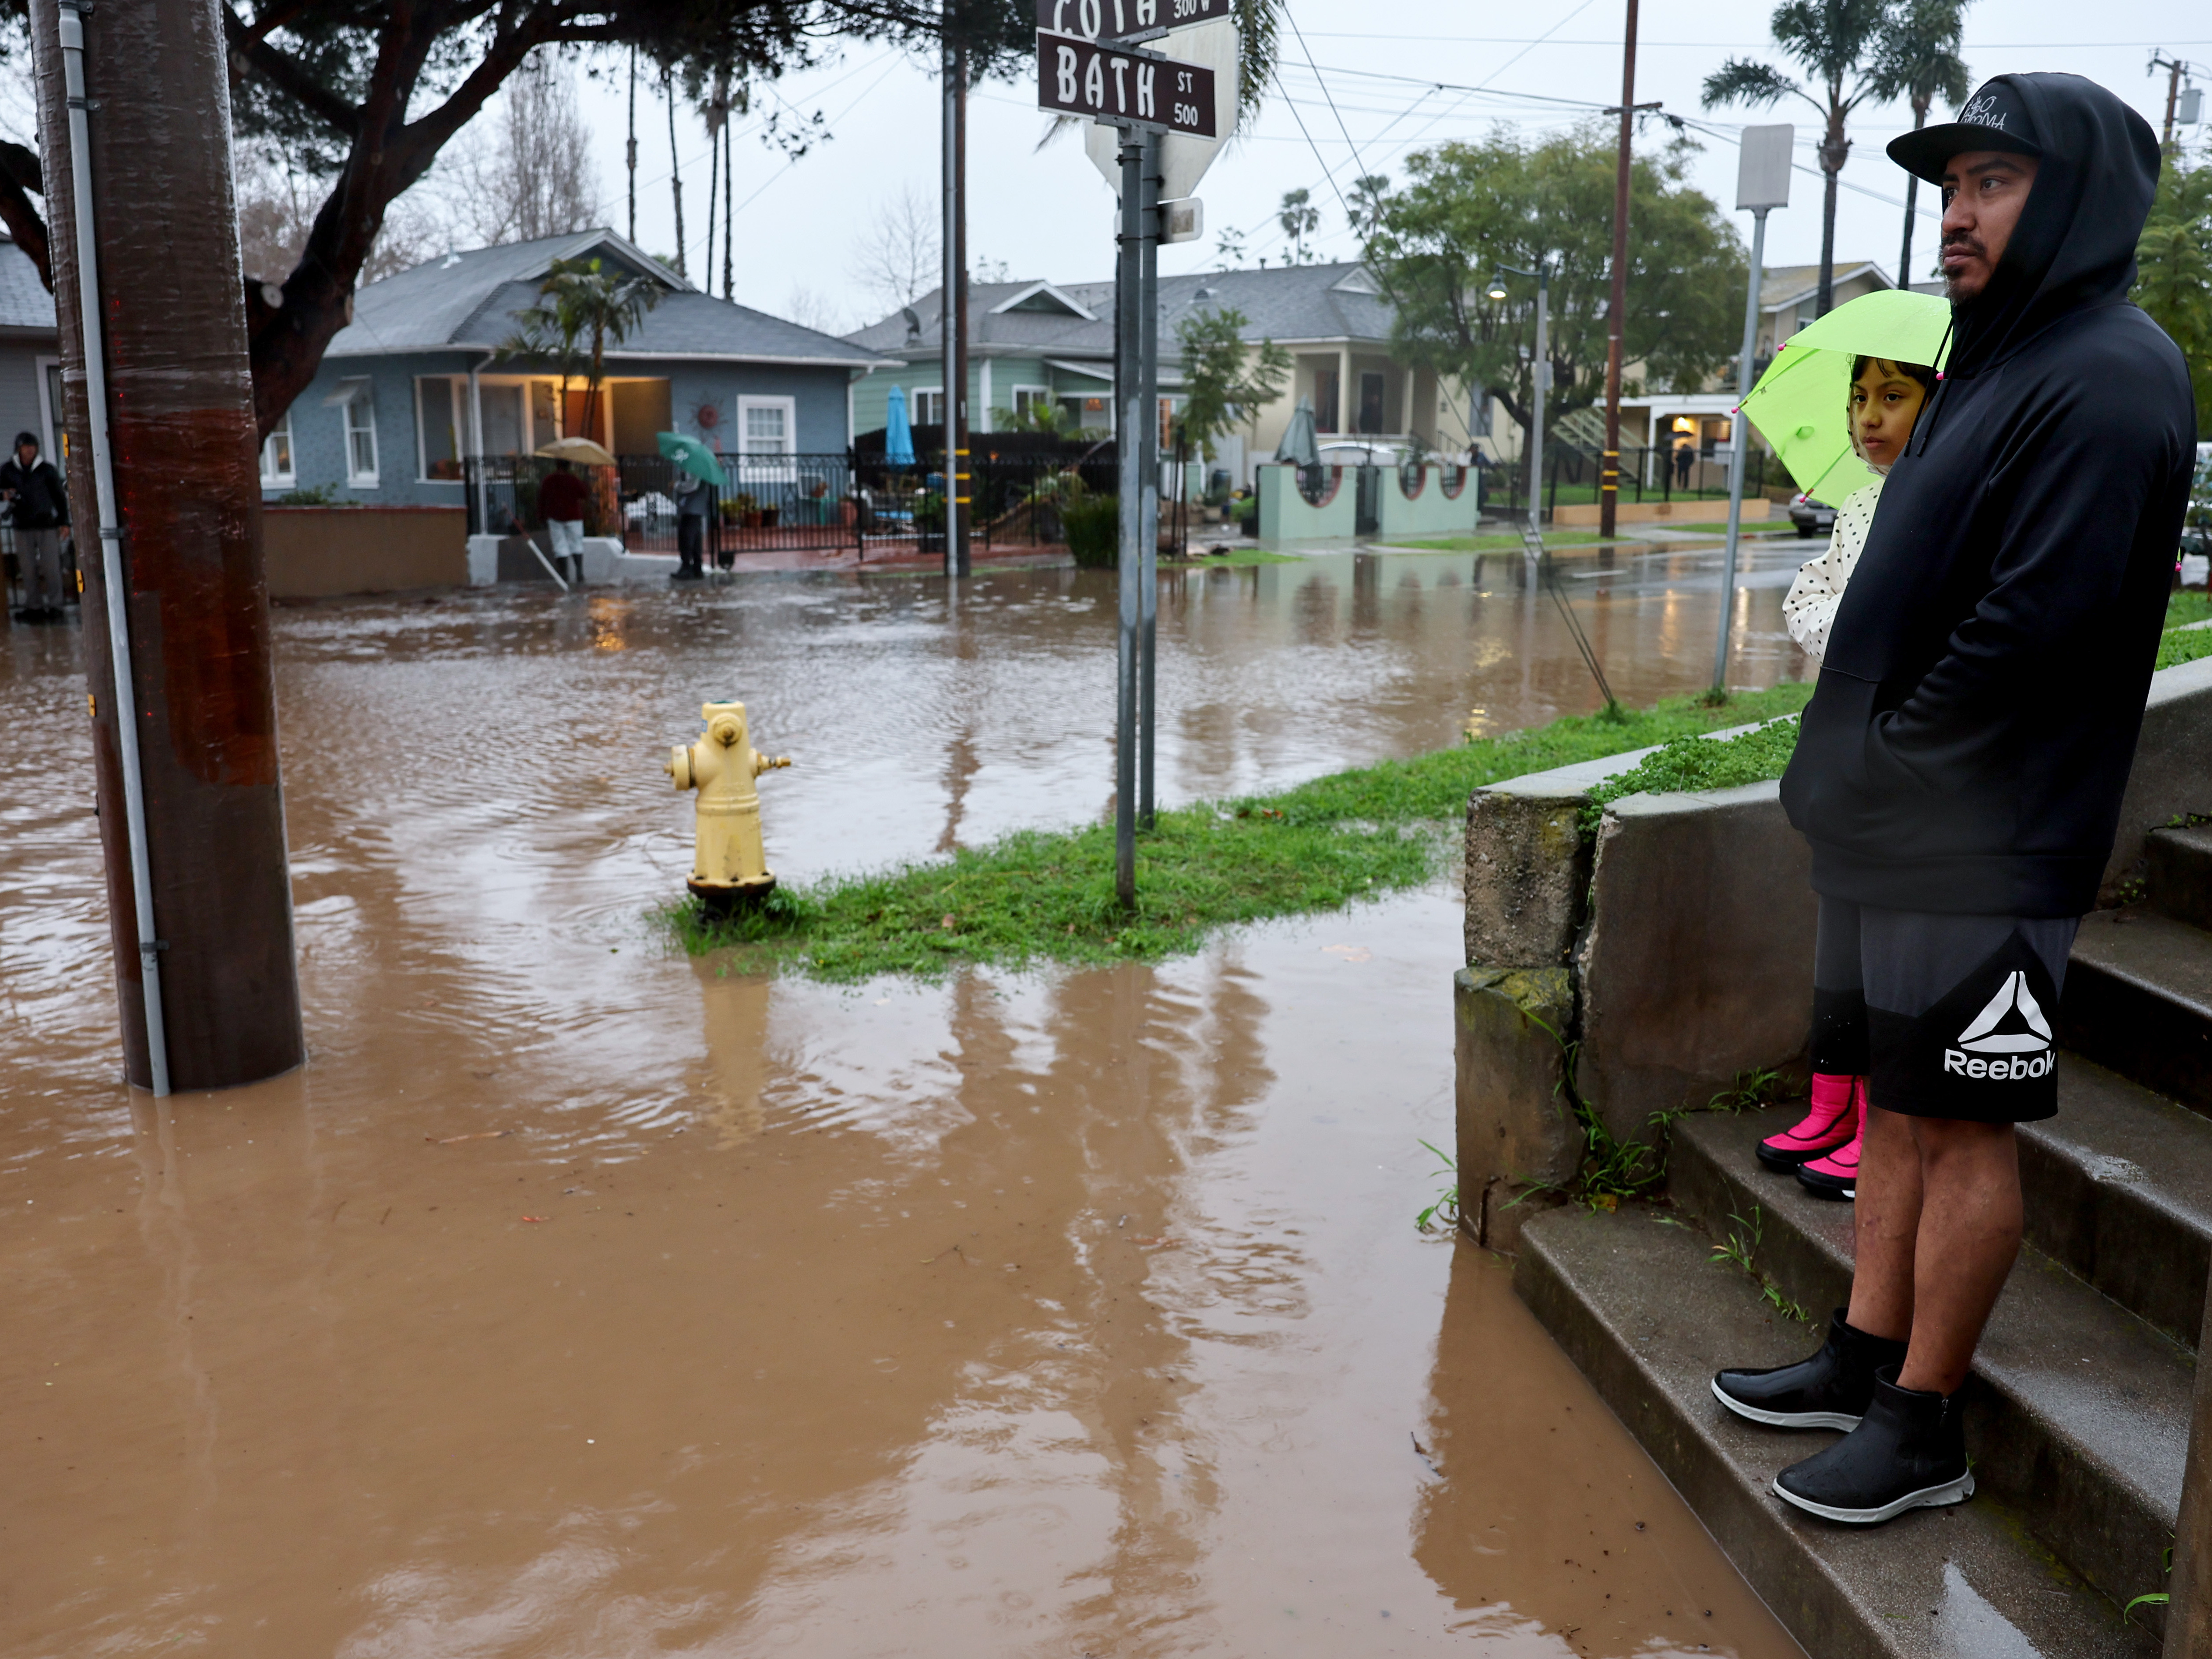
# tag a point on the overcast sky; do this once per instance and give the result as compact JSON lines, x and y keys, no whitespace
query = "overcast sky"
{"x":1046,"y":213}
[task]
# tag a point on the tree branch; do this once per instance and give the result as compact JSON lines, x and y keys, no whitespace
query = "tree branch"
{"x":23,"y":219}
{"x":284,"y":73}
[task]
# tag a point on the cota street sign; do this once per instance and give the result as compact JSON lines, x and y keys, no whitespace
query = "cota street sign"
{"x":1123,"y":20}
{"x":1103,"y":84}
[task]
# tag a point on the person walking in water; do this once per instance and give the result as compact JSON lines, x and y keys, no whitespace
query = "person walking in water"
{"x":1958,"y":770}
{"x":40,"y":511}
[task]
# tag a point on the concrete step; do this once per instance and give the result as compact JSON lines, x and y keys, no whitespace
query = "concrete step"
{"x":2139,"y":999}
{"x":1648,"y":1317}
{"x":2119,"y":1191}
{"x":2077,"y":1412}
{"x":2180,"y":873}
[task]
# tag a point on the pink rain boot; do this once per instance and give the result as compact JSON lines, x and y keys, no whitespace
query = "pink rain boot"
{"x":1837,"y":1176}
{"x":1832,"y":1124}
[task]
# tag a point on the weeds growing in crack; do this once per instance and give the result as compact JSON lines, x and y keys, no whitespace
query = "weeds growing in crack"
{"x":1442,"y":1216}
{"x":1740,"y":1251}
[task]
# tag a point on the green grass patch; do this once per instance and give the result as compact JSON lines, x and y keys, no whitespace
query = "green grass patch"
{"x":2187,"y":606}
{"x":1692,"y":763}
{"x":1492,"y":543}
{"x":1239,"y":557}
{"x":1041,"y":896}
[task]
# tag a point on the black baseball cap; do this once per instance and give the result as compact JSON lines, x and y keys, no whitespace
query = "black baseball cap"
{"x":1995,"y":118}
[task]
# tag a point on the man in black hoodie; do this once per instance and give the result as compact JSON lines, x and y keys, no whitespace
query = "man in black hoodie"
{"x":1960,"y":769}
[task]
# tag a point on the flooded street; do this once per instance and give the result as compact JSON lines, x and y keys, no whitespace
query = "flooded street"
{"x":579,"y":1298}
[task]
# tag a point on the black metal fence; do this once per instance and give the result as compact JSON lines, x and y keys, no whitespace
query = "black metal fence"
{"x":857,"y":502}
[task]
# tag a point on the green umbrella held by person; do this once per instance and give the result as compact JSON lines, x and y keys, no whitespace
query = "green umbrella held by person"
{"x":1839,"y":404}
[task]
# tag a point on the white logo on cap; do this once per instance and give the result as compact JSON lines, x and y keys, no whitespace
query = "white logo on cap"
{"x":2030,"y":1049}
{"x":1983,"y":112}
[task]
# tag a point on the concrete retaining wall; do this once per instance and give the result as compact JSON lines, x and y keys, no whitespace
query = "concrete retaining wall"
{"x":1430,"y":510}
{"x":314,"y":552}
{"x":508,"y":559}
{"x":1286,"y":516}
{"x":1673,"y":952}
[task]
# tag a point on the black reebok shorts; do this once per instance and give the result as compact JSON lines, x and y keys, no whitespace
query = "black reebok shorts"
{"x":1944,"y":1016}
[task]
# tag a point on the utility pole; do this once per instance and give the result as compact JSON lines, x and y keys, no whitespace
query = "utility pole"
{"x":176,"y":642}
{"x":1762,"y":183}
{"x":2174,"y":70}
{"x":675,"y":172}
{"x":633,"y":144}
{"x":1608,"y":475}
{"x":729,"y":236}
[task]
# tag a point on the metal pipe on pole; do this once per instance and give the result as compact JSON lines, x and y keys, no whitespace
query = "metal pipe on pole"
{"x":125,"y":691}
{"x":957,"y":510}
{"x":1541,"y":379}
{"x":1608,"y":476}
{"x":1762,"y":183}
{"x":951,"y":320}
{"x":1128,"y":380}
{"x":1148,"y":524}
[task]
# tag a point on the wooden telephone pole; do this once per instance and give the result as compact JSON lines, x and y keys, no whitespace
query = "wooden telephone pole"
{"x":1609,"y":476}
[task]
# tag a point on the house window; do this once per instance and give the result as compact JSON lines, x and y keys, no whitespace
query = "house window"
{"x":360,"y":440}
{"x":437,"y":429}
{"x":1028,"y":397}
{"x":277,"y":470}
{"x":504,"y":429}
{"x":766,"y":426}
{"x":929,"y":405}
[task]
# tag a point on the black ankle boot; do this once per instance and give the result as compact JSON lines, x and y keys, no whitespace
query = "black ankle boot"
{"x":1828,"y":1391}
{"x":1910,"y":1453}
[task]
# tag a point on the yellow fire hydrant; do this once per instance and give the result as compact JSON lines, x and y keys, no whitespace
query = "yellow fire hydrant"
{"x":731,"y":867}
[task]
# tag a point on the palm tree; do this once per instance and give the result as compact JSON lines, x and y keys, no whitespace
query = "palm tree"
{"x":579,"y":299}
{"x":1920,"y":60}
{"x":1832,"y":39}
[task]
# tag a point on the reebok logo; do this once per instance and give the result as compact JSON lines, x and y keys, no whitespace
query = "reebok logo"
{"x":1983,"y":112}
{"x":2013,"y":1029}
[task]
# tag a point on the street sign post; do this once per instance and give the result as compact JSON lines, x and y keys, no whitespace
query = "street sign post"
{"x":1124,"y":21}
{"x":1762,"y":183}
{"x":1158,"y":119}
{"x":1126,"y":89}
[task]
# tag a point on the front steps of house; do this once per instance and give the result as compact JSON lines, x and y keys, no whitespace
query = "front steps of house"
{"x":2079,"y":1405}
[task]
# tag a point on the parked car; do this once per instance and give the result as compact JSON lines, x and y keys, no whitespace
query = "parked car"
{"x":1812,"y":518}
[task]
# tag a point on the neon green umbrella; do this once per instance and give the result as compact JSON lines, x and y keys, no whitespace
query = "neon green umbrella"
{"x":693,"y":457}
{"x":1801,"y":404}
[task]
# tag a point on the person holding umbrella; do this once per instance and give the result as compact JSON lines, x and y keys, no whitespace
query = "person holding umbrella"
{"x":1960,"y":769}
{"x":697,"y":468}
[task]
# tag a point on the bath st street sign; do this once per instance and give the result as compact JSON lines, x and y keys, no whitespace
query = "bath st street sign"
{"x":1124,"y":21}
{"x":1079,"y":77}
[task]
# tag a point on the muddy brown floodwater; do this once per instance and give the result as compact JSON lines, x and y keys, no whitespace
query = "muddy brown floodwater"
{"x":581,"y":1299}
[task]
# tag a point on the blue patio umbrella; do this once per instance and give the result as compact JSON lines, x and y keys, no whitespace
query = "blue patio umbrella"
{"x":693,"y":457}
{"x":899,"y":436}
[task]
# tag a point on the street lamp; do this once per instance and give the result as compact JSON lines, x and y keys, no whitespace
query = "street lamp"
{"x":1542,"y":277}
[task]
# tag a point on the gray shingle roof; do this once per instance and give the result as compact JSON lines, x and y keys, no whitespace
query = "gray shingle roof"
{"x":24,"y":301}
{"x":468,"y":300}
{"x":1287,"y":302}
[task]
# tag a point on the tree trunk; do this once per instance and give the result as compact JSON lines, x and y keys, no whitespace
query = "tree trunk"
{"x":1911,"y":201}
{"x":182,"y":430}
{"x":1835,"y":150}
{"x":675,"y":175}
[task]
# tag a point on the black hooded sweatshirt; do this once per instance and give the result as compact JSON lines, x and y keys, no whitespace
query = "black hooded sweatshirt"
{"x":1970,"y":733}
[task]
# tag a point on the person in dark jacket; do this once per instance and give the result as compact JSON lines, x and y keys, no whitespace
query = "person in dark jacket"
{"x":1958,"y":770}
{"x":38,"y":509}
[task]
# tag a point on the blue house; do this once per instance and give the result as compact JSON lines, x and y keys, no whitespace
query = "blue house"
{"x":413,"y":385}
